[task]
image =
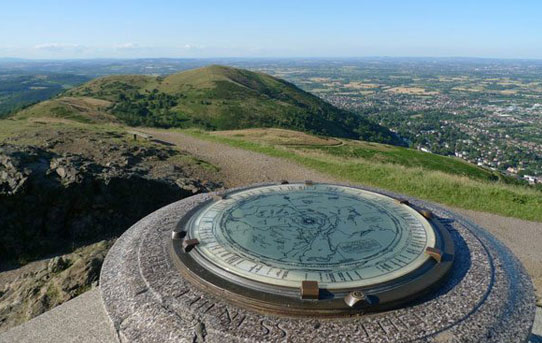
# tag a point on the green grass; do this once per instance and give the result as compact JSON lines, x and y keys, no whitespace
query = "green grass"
{"x":83,"y":110}
{"x":24,"y":130}
{"x":53,"y":294}
{"x":434,"y":185}
{"x":409,"y":158}
{"x":193,"y":160}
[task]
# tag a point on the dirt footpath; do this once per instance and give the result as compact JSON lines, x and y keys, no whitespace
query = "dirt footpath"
{"x":240,"y":167}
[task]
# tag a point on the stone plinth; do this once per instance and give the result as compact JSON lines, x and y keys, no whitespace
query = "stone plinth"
{"x":488,"y":297}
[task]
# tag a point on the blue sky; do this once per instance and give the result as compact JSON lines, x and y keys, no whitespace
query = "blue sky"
{"x":273,"y":28}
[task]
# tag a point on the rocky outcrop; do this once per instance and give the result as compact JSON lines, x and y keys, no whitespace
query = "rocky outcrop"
{"x":65,"y":195}
{"x":50,"y":203}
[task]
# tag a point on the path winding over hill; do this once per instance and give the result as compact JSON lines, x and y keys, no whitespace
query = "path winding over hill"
{"x":240,"y":167}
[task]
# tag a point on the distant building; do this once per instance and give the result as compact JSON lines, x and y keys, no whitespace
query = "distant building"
{"x":424,"y":149}
{"x":531,"y":179}
{"x":512,"y":170}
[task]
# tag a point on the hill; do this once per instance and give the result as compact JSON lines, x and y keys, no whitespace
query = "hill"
{"x":224,"y":98}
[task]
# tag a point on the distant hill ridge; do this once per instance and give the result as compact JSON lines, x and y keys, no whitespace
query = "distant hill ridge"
{"x":215,"y":98}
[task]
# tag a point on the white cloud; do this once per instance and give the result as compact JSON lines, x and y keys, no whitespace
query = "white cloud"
{"x":58,"y":46}
{"x":128,"y":46}
{"x":193,"y":47}
{"x":58,"y":50}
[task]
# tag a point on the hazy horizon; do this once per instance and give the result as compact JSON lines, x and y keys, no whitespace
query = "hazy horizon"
{"x":286,"y":58}
{"x":61,"y":29}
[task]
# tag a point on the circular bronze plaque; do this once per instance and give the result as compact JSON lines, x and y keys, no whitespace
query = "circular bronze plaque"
{"x":312,"y":249}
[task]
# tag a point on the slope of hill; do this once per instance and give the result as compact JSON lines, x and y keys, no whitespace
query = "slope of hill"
{"x":224,"y":98}
{"x":82,"y":109}
{"x":347,"y":151}
{"x":445,"y":180}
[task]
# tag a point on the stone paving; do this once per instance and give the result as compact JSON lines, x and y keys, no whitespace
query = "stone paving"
{"x":82,"y":319}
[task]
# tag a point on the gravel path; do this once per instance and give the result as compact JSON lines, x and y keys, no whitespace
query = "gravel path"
{"x":239,"y":167}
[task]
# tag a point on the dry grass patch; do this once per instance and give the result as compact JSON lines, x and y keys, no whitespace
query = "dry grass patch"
{"x":361,"y":85}
{"x":278,"y":137}
{"x":469,"y":89}
{"x":83,"y":109}
{"x":320,"y":79}
{"x":411,"y":91}
{"x":508,"y":92}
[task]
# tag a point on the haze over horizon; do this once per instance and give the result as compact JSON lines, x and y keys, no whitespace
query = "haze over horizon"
{"x":64,"y":30}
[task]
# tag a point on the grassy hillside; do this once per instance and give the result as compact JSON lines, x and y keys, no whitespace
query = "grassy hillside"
{"x":224,"y":98}
{"x":432,"y":177}
{"x":347,"y":151}
{"x":81,"y":109}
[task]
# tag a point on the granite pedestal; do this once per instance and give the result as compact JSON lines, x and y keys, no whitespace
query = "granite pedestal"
{"x":488,"y":297}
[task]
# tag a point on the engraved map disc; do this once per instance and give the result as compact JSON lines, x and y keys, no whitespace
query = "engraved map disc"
{"x":269,"y":240}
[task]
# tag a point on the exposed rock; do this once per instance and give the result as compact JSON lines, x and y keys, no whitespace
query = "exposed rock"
{"x":12,"y":178}
{"x":190,"y":185}
{"x":57,"y":264}
{"x":77,"y":191}
{"x":46,"y":284}
{"x":73,"y":190}
{"x":61,"y":172}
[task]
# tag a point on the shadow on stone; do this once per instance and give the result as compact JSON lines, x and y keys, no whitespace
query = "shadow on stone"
{"x":462,"y":264}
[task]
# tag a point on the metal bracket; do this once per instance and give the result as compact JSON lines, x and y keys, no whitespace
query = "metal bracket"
{"x":219,"y":196}
{"x":427,"y":214}
{"x":309,"y":290}
{"x":176,"y":235}
{"x":189,"y":244}
{"x":309,"y":183}
{"x":354,"y":298}
{"x":435,"y":253}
